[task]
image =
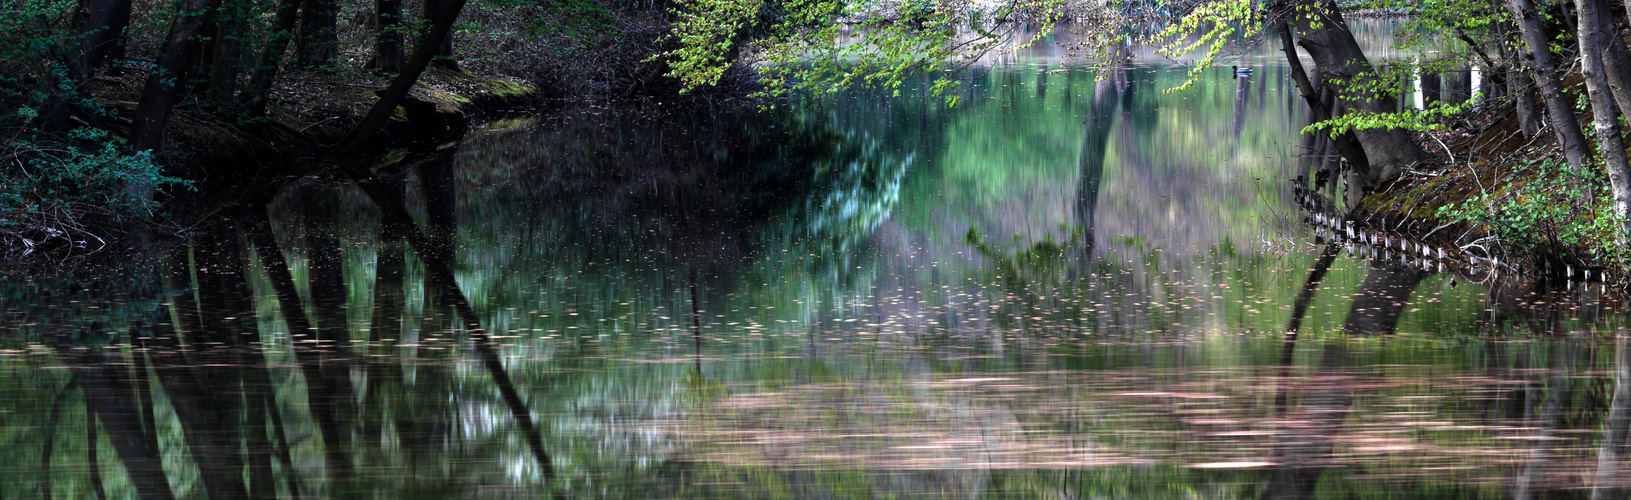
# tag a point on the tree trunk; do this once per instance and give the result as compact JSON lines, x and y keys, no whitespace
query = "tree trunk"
{"x":111,"y":397}
{"x":1346,"y":144}
{"x":338,"y":464}
{"x":1341,"y":63}
{"x":394,"y":219}
{"x":1090,"y":165}
{"x":388,"y":43}
{"x":1382,"y":298}
{"x":1551,"y":418}
{"x":1558,"y":108}
{"x":1463,"y":86}
{"x":422,"y":55}
{"x":431,"y":9}
{"x":105,"y":24}
{"x":164,"y":84}
{"x":1605,"y":120}
{"x":254,"y":100}
{"x":225,"y":56}
{"x":1523,"y":99}
{"x":1430,"y":88}
{"x":318,"y":42}
{"x":1616,"y":58}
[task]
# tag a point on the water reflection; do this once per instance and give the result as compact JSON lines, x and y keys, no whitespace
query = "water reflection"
{"x":1067,"y":286}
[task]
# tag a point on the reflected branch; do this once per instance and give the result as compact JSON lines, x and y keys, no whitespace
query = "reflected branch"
{"x":438,"y":270}
{"x":44,"y":485}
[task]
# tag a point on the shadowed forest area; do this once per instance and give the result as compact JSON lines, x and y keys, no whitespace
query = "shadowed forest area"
{"x":760,"y":249}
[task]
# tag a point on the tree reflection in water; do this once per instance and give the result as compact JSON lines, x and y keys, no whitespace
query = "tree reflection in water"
{"x":728,"y":303}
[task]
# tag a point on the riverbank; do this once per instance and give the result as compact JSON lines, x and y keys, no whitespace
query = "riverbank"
{"x":213,"y":160}
{"x":1499,"y":205}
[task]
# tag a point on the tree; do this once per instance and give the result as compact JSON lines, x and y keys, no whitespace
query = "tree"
{"x":318,"y":42}
{"x":1544,"y":71}
{"x":1341,"y":63}
{"x":165,"y":83}
{"x":388,"y":36}
{"x":443,"y":52}
{"x":1606,"y":122}
{"x":427,"y":49}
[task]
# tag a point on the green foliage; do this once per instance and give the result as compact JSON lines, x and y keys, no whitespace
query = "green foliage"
{"x":84,"y":171}
{"x":824,"y":46}
{"x":1212,"y":25}
{"x":50,"y":170}
{"x":1549,"y":206}
{"x":1432,"y":118}
{"x":1036,"y":263}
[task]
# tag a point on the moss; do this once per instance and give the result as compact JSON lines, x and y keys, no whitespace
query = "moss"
{"x":391,"y":157}
{"x":444,"y":101}
{"x":509,"y":88}
{"x":511,"y":123}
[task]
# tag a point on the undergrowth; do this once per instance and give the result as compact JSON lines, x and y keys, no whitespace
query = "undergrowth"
{"x":1549,"y":208}
{"x":52,"y":186}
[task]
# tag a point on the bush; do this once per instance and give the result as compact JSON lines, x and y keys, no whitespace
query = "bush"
{"x":52,"y":184}
{"x":1549,"y":208}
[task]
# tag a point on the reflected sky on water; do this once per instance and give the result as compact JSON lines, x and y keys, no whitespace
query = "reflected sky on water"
{"x":1065,"y":287}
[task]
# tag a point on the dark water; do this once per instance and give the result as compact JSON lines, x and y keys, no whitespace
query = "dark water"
{"x":1062,"y":288}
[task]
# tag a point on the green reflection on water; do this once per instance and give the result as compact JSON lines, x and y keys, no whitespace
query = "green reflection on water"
{"x":707,"y":303}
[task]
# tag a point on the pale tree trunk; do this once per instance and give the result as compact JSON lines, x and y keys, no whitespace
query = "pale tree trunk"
{"x":1341,"y":63}
{"x":1605,"y":120}
{"x":1544,"y":70}
{"x":1616,"y":59}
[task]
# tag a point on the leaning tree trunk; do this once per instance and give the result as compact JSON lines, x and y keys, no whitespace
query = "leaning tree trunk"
{"x":1605,"y":120}
{"x":164,"y":84}
{"x":1341,"y":63}
{"x":431,"y":9}
{"x":422,"y":55}
{"x":1346,"y":144}
{"x":1544,"y":70}
{"x":260,"y":84}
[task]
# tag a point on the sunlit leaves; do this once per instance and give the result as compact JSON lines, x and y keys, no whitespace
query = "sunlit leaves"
{"x":823,"y":46}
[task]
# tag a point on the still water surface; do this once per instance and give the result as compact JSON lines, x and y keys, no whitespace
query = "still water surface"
{"x":1065,"y":287}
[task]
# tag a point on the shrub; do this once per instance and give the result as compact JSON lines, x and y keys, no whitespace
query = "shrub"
{"x":1549,"y":208}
